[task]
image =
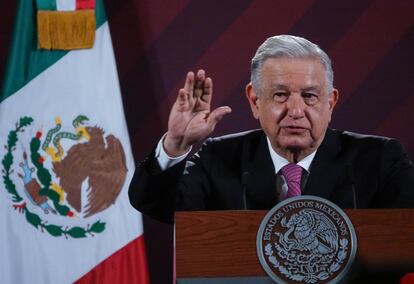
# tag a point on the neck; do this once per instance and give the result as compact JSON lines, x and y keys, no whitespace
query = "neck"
{"x":294,"y":155}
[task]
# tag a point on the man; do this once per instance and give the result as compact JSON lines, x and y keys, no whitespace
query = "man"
{"x":291,"y":94}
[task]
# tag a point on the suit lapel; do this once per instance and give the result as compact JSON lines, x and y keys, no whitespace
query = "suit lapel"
{"x":326,"y":168}
{"x":325,"y":172}
{"x":261,"y":185}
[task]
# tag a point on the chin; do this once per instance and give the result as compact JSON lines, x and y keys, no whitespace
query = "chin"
{"x":296,"y":146}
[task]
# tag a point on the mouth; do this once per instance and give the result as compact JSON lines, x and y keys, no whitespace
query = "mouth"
{"x":294,"y":129}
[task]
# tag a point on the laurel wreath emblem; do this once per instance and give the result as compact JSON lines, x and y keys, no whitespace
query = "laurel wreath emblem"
{"x":44,"y":177}
{"x":310,"y":278}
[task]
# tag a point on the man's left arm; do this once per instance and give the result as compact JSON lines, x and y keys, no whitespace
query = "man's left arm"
{"x":397,"y":177}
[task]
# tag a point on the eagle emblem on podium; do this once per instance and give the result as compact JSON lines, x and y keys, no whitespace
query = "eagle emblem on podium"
{"x":306,"y":239}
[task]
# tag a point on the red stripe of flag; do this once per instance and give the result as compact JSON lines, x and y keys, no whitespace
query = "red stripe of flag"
{"x":126,"y":266}
{"x":85,"y":4}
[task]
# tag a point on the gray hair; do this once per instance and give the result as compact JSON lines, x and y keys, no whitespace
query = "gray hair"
{"x":288,"y":46}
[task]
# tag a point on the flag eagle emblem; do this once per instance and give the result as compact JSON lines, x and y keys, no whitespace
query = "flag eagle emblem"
{"x":72,"y":172}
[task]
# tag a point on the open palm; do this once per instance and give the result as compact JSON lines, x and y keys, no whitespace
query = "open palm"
{"x":190,"y":118}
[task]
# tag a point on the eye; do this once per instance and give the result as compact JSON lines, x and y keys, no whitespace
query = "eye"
{"x":280,"y":96}
{"x":310,"y":98}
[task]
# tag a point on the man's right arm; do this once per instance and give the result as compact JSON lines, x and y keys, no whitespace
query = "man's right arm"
{"x":164,"y":160}
{"x":154,"y":187}
{"x":153,"y":191}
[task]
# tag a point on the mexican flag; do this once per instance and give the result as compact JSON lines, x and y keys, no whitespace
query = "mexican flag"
{"x":66,"y":160}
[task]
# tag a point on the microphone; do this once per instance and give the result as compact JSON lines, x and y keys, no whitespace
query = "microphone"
{"x":244,"y":170}
{"x":244,"y":179}
{"x":351,"y":179}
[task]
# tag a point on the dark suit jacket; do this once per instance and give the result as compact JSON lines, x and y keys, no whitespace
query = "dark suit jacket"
{"x":349,"y":169}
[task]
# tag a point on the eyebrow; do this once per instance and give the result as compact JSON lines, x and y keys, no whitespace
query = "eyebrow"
{"x":312,"y":88}
{"x":306,"y":89}
{"x":280,"y":86}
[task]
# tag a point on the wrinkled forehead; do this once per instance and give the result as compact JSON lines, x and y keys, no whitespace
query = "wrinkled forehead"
{"x":295,"y":63}
{"x":300,"y":72}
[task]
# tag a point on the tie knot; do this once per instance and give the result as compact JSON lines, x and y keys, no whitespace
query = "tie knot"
{"x":292,"y":173}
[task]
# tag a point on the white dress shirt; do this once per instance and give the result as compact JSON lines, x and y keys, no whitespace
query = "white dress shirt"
{"x":165,"y":162}
{"x":279,"y":162}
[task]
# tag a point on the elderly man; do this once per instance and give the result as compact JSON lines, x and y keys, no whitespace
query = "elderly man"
{"x":291,"y":94}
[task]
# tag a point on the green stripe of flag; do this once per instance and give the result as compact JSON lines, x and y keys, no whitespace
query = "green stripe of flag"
{"x":49,"y":5}
{"x":25,"y":61}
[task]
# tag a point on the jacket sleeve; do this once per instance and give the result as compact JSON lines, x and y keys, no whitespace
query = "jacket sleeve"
{"x":184,"y":186}
{"x":397,"y":177}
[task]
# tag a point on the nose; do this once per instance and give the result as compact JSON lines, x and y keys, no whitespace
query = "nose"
{"x":295,"y":106}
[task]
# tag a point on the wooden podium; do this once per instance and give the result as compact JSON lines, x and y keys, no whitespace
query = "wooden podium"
{"x":212,"y":244}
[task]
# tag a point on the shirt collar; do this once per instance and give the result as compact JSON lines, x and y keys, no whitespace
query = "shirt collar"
{"x":279,"y":162}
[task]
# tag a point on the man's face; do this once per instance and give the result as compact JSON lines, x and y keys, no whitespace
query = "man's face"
{"x":293,"y":105}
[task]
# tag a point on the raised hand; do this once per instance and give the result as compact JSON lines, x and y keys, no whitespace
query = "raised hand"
{"x":190,"y":118}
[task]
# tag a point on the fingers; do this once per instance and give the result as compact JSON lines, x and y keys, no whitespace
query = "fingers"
{"x":185,"y":94}
{"x":203,"y":91}
{"x":207,"y":91}
{"x":199,"y":83}
{"x":182,"y":100}
{"x":216,"y":115}
{"x":197,"y":91}
{"x":189,"y":83}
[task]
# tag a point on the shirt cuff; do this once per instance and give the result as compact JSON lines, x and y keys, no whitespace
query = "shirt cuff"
{"x":164,"y":161}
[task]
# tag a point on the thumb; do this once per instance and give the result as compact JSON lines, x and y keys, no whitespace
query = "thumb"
{"x":216,"y":115}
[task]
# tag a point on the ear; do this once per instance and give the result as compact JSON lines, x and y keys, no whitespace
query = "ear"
{"x":333,"y":99}
{"x":252,"y":98}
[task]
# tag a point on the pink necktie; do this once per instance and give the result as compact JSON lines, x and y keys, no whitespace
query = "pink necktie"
{"x":292,"y":174}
